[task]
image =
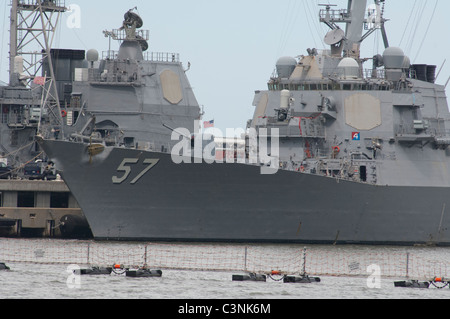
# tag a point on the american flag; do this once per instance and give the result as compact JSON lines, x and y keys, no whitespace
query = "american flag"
{"x":39,"y":80}
{"x":208,"y":124}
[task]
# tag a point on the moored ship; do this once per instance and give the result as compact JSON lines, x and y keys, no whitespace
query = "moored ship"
{"x":355,"y":156}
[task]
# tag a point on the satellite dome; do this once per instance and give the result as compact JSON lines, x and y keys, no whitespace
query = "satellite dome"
{"x":92,"y":55}
{"x":349,"y":67}
{"x":406,"y":63}
{"x":393,"y":58}
{"x":348,"y":63}
{"x":285,"y":66}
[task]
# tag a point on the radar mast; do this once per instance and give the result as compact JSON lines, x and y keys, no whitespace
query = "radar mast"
{"x":349,"y":42}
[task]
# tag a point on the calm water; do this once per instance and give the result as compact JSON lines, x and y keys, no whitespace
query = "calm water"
{"x":50,"y":282}
{"x":27,"y":280}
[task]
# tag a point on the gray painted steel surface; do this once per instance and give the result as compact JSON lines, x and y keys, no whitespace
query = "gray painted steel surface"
{"x":234,"y":202}
{"x":363,"y":155}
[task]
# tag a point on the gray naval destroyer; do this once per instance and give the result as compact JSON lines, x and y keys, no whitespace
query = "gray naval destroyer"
{"x":50,"y":90}
{"x":363,"y":156}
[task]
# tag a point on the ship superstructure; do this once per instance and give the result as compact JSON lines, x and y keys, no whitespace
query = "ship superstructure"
{"x":136,"y":97}
{"x":383,"y":125}
{"x":58,"y":92}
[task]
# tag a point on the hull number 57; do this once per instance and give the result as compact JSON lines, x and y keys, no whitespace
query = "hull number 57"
{"x":126,"y":168}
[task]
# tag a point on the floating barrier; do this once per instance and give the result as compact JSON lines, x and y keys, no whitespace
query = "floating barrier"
{"x":437,"y":282}
{"x":94,"y":271}
{"x":412,"y":284}
{"x":440,"y":283}
{"x":250,"y":277}
{"x":119,"y":270}
{"x":143,"y":273}
{"x":301,"y":280}
{"x":276,"y":276}
{"x":4,"y":267}
{"x":395,"y":264}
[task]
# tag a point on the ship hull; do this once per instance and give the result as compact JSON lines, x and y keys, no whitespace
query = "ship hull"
{"x":126,"y":198}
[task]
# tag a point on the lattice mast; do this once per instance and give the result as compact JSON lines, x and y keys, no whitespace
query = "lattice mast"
{"x":32,"y":31}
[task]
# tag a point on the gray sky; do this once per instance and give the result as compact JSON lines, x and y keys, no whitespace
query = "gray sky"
{"x":233,"y":45}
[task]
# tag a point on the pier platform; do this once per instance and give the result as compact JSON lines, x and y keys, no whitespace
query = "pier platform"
{"x":43,"y":209}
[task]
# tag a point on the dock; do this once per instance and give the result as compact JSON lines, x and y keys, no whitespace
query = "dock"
{"x":40,"y":209}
